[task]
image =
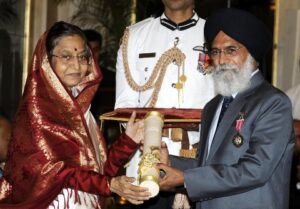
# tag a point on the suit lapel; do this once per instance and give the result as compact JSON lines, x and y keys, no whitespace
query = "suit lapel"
{"x":232,"y":113}
{"x":208,"y":116}
{"x":224,"y":126}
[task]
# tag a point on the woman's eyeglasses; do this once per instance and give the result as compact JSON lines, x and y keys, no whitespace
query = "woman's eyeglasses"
{"x":68,"y":59}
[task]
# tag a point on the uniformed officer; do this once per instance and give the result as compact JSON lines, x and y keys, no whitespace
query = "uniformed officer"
{"x":158,"y":66}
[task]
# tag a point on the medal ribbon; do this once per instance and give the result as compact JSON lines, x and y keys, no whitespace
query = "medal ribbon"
{"x":239,"y":123}
{"x":203,"y":62}
{"x":203,"y":58}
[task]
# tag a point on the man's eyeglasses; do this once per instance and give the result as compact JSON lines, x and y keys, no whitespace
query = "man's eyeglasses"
{"x":67,"y":59}
{"x":229,"y":51}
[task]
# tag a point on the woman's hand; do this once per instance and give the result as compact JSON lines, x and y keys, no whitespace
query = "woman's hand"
{"x":122,"y":185}
{"x":135,"y":130}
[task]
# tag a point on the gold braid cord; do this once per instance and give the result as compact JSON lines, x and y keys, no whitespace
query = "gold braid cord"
{"x":155,"y":81}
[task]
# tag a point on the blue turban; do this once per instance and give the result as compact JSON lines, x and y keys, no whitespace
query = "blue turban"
{"x":242,"y":27}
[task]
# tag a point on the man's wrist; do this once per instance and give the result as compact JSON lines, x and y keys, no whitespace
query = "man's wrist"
{"x":111,"y":184}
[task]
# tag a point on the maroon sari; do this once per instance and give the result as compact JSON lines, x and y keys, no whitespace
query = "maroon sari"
{"x":51,"y":147}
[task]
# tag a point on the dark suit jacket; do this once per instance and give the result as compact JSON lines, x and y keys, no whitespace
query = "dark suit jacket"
{"x":255,"y":175}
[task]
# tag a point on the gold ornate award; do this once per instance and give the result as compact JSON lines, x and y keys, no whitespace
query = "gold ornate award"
{"x":148,"y":172}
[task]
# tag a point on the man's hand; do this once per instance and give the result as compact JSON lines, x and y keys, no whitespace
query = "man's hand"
{"x":172,"y":178}
{"x":122,"y":185}
{"x":164,"y":154}
{"x":135,"y":130}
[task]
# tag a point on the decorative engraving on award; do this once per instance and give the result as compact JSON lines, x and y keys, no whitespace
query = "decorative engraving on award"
{"x":148,"y":172}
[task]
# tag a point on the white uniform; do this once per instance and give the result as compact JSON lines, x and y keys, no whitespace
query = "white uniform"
{"x":294,"y":95}
{"x":148,"y":40}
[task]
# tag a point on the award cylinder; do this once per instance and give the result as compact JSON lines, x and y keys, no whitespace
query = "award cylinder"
{"x":148,"y":172}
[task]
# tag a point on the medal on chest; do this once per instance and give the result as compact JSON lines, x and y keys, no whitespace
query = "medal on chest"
{"x":203,"y":59}
{"x":202,"y":63}
{"x":238,"y":139}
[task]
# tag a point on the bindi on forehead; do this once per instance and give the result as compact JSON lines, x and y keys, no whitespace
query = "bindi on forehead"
{"x":75,"y":49}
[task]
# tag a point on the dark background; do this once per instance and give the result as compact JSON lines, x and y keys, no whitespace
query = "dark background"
{"x":11,"y":43}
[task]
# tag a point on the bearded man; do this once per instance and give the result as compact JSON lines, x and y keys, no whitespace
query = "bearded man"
{"x":247,"y":138}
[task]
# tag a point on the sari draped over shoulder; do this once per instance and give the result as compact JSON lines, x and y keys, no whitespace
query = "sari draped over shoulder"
{"x":53,"y":147}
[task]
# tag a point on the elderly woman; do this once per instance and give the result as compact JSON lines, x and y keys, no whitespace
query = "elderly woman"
{"x":57,"y":157}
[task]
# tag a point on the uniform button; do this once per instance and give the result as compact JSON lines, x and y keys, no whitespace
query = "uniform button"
{"x":146,"y":69}
{"x":173,"y":85}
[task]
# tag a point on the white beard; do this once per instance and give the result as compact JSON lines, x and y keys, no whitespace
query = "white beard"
{"x":230,"y":79}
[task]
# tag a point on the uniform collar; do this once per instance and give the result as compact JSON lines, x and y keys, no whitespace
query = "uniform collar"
{"x":165,"y":21}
